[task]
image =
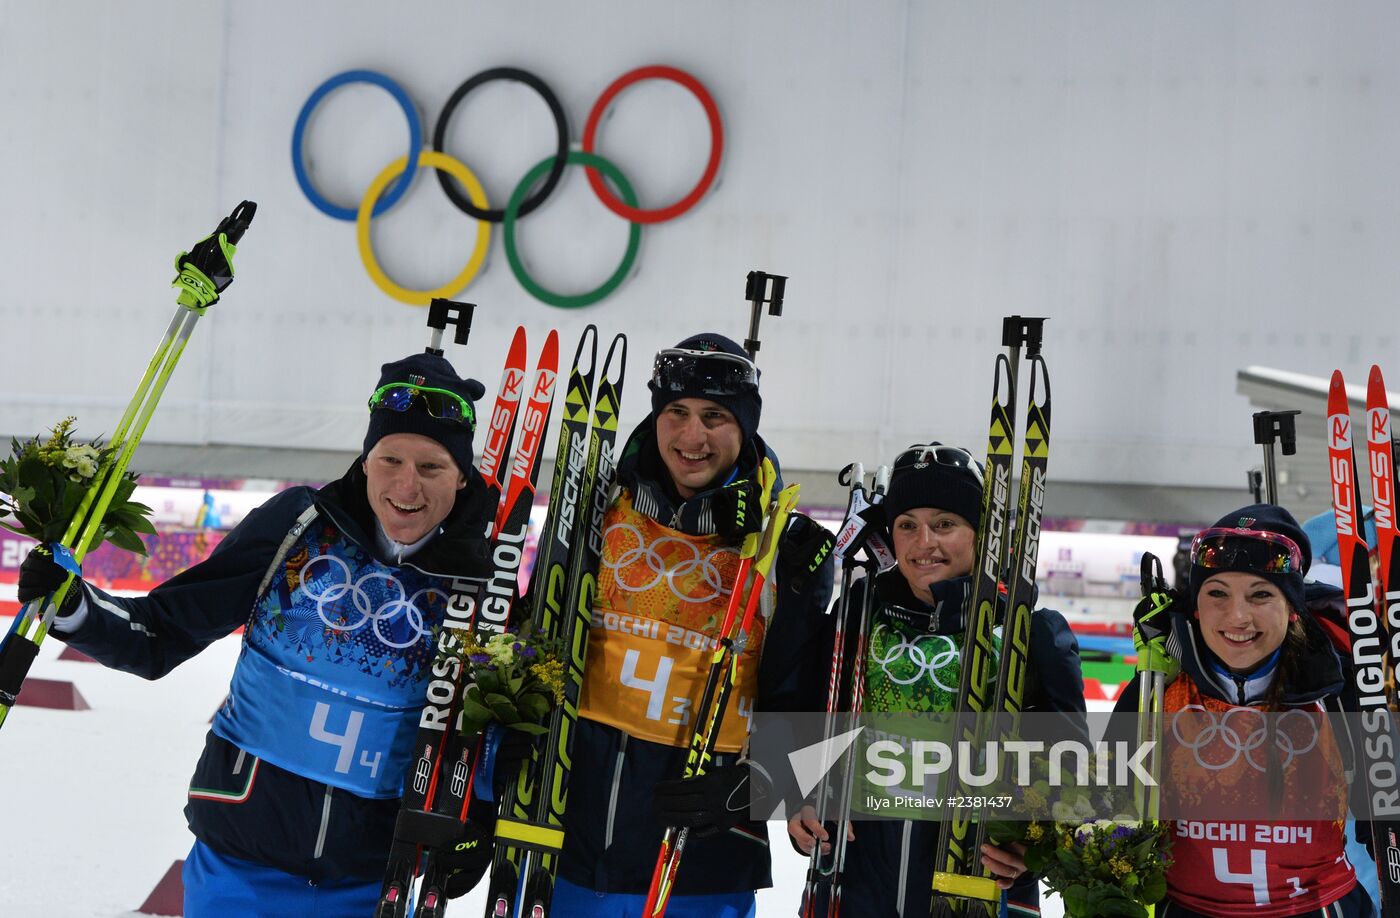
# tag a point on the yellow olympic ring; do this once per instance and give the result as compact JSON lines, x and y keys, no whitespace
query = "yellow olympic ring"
{"x":475,"y":192}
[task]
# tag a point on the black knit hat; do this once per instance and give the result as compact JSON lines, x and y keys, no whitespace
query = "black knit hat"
{"x":746,"y":405}
{"x":1261,"y":518}
{"x":938,"y":476}
{"x":431,"y":371}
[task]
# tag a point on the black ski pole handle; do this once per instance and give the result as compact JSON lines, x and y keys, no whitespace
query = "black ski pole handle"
{"x":1153,"y":580}
{"x":235,"y":224}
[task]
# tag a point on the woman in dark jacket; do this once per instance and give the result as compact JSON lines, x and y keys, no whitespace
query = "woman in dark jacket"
{"x":913,"y":663}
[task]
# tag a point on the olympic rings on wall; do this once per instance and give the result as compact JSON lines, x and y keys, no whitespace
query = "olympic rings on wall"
{"x":391,"y":184}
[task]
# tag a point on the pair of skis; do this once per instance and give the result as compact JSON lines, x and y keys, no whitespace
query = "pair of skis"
{"x":529,"y":831}
{"x":857,"y":535}
{"x":204,"y":273}
{"x":958,"y":874}
{"x":1373,"y":613}
{"x":439,"y":788}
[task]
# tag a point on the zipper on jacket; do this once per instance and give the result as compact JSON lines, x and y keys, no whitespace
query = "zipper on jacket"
{"x":325,"y":822}
{"x":612,"y":796}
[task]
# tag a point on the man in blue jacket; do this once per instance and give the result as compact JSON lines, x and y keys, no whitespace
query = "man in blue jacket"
{"x":294,"y":799}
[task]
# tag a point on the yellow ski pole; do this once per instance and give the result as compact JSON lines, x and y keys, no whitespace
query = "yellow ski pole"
{"x":202,"y":274}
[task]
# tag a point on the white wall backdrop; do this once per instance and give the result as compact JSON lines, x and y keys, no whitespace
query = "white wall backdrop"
{"x":1184,"y":188}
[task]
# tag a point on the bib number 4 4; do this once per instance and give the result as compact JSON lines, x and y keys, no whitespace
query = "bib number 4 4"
{"x":346,"y":743}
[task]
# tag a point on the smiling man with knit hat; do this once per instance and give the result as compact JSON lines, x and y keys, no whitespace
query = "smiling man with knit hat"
{"x":688,"y":493}
{"x":294,"y":800}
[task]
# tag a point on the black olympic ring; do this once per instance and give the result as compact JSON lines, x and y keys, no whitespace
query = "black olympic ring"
{"x":561,"y":153}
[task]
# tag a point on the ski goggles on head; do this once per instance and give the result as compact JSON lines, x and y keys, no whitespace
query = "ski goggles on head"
{"x":1255,"y":550}
{"x":708,"y":372}
{"x":952,"y":456}
{"x":439,"y":403}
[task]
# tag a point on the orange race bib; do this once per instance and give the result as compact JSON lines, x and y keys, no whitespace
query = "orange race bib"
{"x":661,"y":600}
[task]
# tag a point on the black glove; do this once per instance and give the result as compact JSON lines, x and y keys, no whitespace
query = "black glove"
{"x":465,"y":861}
{"x":802,"y":550}
{"x":40,"y":576}
{"x":513,"y":750}
{"x":737,"y":509}
{"x":713,"y":802}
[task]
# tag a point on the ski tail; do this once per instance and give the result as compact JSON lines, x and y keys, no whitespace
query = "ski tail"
{"x":426,"y":818}
{"x":1009,"y":697}
{"x":500,"y":426}
{"x":545,"y":594}
{"x":529,"y":839}
{"x":1381,"y":459}
{"x":1376,"y":762}
{"x":457,"y":761}
{"x":956,"y":859}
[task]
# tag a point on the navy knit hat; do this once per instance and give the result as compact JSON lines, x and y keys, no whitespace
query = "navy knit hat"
{"x":746,"y":406}
{"x":431,"y":371}
{"x":937,"y":476}
{"x":1261,"y":518}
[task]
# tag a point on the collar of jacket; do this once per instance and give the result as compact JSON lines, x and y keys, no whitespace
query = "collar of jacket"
{"x":944,"y":615}
{"x":1318,"y":675}
{"x":460,"y":548}
{"x":642,"y":472}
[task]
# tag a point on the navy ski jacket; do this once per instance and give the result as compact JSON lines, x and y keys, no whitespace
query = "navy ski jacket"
{"x":611,"y":831}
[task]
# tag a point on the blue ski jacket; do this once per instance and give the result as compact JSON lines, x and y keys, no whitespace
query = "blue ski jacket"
{"x":304,"y":763}
{"x":612,"y":834}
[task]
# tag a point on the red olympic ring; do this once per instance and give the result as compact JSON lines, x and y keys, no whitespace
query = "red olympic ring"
{"x":590,"y":136}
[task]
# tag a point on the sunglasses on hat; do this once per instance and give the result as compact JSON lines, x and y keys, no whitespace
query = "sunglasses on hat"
{"x":1256,"y":550}
{"x":951,"y":456}
{"x":709,"y":372}
{"x":439,"y":403}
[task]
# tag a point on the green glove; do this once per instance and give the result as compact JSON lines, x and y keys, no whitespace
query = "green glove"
{"x":1151,"y":626}
{"x":203,"y":272}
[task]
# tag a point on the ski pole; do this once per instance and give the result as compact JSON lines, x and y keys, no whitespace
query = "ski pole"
{"x":853,"y":476}
{"x":723,"y":674}
{"x":1270,"y":426}
{"x":202,"y":274}
{"x":872,"y":568}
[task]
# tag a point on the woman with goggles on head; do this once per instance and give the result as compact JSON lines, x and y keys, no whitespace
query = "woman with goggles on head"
{"x":1252,"y":774}
{"x":913,"y":663}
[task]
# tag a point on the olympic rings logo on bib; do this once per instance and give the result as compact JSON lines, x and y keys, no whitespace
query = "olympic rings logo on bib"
{"x":920,"y":663}
{"x":378,"y":616}
{"x":707,"y":586}
{"x":390,"y":184}
{"x":1210,"y":733}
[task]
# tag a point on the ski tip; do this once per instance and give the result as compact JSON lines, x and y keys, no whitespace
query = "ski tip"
{"x":1375,"y":381}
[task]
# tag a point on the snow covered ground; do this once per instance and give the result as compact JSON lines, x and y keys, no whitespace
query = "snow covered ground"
{"x":91,"y":801}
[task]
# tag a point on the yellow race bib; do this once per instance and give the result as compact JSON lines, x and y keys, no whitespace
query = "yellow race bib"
{"x":661,"y":600}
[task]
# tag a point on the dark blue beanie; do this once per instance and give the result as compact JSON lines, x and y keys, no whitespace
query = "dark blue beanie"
{"x":921,"y":477}
{"x":745,"y":406}
{"x":1264,"y":518}
{"x":434,"y":372}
